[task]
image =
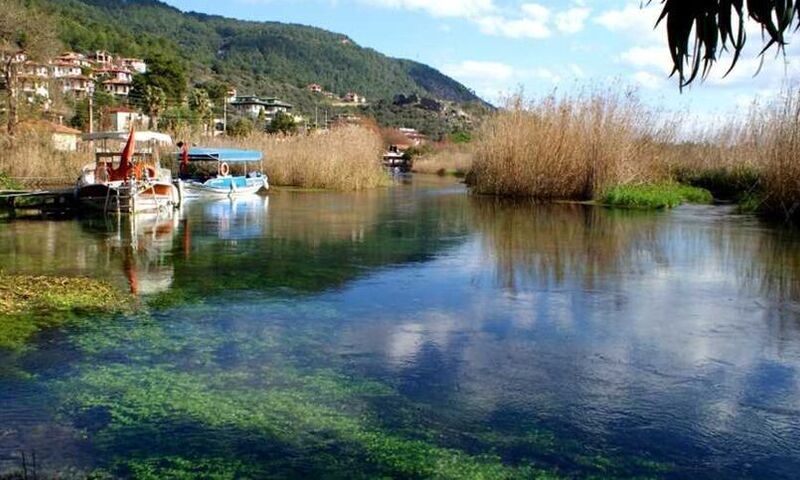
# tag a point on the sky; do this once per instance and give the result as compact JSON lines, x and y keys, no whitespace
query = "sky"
{"x":499,"y":47}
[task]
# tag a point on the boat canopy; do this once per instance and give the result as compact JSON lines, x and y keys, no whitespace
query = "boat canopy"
{"x":143,"y":136}
{"x":229,"y":155}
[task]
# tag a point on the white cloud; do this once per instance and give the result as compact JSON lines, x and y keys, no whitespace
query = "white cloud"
{"x":496,"y":80}
{"x":648,"y":80}
{"x":440,"y":8}
{"x":475,"y":70}
{"x":526,"y":21}
{"x":656,"y":56}
{"x":522,"y":28}
{"x":572,"y":20}
{"x":635,"y":21}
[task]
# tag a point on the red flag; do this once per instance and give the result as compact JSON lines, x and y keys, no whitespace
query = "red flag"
{"x":185,"y":159}
{"x":123,"y":171}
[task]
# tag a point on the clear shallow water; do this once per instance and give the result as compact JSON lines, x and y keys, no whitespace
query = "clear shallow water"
{"x":414,"y":332}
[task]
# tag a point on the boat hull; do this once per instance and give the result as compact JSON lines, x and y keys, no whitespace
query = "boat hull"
{"x":128,"y":198}
{"x":225,"y":187}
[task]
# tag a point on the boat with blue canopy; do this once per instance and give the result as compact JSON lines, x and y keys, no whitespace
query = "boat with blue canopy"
{"x":207,"y":172}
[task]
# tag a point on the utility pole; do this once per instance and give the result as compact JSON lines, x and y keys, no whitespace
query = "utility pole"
{"x":91,"y":112}
{"x":225,"y":115}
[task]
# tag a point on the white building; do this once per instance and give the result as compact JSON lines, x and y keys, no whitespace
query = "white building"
{"x":122,"y":118}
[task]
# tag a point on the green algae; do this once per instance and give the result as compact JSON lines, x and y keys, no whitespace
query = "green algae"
{"x":29,"y":304}
{"x":297,"y":411}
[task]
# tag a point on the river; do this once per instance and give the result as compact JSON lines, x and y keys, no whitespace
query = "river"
{"x":413,"y":332}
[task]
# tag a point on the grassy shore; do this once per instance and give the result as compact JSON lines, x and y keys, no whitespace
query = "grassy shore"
{"x":346,"y":158}
{"x":655,"y":196}
{"x":29,"y":304}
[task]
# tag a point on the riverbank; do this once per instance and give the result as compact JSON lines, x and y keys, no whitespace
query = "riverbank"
{"x":608,"y":147}
{"x":31,"y":303}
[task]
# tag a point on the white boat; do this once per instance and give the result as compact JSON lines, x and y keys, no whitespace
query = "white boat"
{"x":127,"y":181}
{"x":221,"y":183}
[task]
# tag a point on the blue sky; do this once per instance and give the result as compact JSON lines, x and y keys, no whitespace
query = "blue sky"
{"x":497,"y":46}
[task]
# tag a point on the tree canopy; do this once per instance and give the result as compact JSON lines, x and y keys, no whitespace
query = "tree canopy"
{"x":698,"y":30}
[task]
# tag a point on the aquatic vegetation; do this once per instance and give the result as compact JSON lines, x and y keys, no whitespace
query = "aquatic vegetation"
{"x":655,"y":196}
{"x":31,"y":303}
{"x":290,"y":410}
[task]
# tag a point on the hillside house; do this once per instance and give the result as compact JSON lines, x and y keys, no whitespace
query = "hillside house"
{"x":61,"y":69}
{"x":79,"y":85}
{"x":116,"y":81}
{"x":352,"y":97}
{"x":34,"y":79}
{"x":315,"y":88}
{"x":73,"y":58}
{"x":101,"y":58}
{"x":255,"y":107}
{"x":136,"y":65}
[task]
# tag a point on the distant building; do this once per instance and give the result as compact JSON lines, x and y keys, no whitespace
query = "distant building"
{"x":255,"y":107}
{"x":61,"y":69}
{"x":122,"y":119}
{"x":79,"y":85}
{"x":101,"y":57}
{"x":64,"y":139}
{"x":352,"y":97}
{"x":34,"y":80}
{"x":134,"y":64}
{"x":116,"y":80}
{"x":414,"y":137}
{"x":315,"y":88}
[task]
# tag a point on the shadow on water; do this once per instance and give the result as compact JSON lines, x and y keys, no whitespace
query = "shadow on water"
{"x":415,"y":332}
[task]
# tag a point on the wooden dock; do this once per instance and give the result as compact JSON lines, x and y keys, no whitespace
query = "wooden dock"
{"x":54,"y":202}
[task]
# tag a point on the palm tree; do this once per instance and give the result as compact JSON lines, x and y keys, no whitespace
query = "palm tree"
{"x":155,"y":101}
{"x":200,"y":102}
{"x":697,"y":30}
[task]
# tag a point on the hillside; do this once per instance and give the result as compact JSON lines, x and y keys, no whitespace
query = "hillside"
{"x":262,"y":58}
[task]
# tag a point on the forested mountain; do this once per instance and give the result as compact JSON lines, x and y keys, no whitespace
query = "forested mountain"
{"x":262,"y":58}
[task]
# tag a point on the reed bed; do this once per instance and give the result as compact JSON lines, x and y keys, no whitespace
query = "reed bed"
{"x":346,"y":158}
{"x":571,"y":147}
{"x":778,"y":126}
{"x":29,"y":159}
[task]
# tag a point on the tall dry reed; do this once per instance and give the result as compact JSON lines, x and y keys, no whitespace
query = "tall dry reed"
{"x":570,"y":147}
{"x":778,"y":154}
{"x":346,"y":158}
{"x":30,"y":159}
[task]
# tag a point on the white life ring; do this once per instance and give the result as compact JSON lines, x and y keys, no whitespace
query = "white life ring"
{"x":224,"y":169}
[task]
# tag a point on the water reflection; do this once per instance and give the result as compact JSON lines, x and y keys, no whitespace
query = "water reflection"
{"x":577,"y":340}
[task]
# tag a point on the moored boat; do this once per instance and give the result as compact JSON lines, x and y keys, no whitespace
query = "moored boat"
{"x":220,"y":182}
{"x":127,"y":181}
